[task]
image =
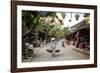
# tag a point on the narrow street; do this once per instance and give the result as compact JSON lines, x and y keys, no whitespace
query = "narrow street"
{"x":66,"y":53}
{"x":73,"y":26}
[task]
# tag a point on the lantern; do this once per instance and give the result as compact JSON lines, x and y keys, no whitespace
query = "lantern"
{"x":70,"y":20}
{"x":77,"y":16}
{"x":63,"y":15}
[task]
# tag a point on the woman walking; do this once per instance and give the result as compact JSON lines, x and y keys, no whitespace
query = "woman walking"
{"x":53,"y":45}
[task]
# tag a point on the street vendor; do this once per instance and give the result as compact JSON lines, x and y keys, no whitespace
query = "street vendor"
{"x":53,"y":43}
{"x":53,"y":49}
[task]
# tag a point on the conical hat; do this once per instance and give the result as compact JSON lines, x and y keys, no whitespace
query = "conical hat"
{"x":53,"y":39}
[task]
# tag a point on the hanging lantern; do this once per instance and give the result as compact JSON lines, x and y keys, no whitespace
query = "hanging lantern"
{"x":77,"y":16}
{"x":63,"y":15}
{"x":71,"y":17}
{"x":70,"y":20}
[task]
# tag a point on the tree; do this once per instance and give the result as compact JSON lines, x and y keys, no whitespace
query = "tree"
{"x":45,"y":24}
{"x":87,"y":19}
{"x":32,"y":20}
{"x":65,"y":31}
{"x":29,"y":21}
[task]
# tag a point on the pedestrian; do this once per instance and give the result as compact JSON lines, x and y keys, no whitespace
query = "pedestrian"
{"x":63,"y":41}
{"x":53,"y":49}
{"x":53,"y":45}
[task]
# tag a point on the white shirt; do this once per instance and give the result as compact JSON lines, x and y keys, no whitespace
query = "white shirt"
{"x":53,"y":44}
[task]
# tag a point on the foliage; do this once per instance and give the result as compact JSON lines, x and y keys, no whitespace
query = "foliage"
{"x":87,"y":18}
{"x":65,"y":31}
{"x":34,"y":19}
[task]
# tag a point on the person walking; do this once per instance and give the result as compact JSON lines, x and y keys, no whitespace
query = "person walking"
{"x":53,"y":45}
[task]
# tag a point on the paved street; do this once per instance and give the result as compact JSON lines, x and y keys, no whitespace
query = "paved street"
{"x":66,"y":53}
